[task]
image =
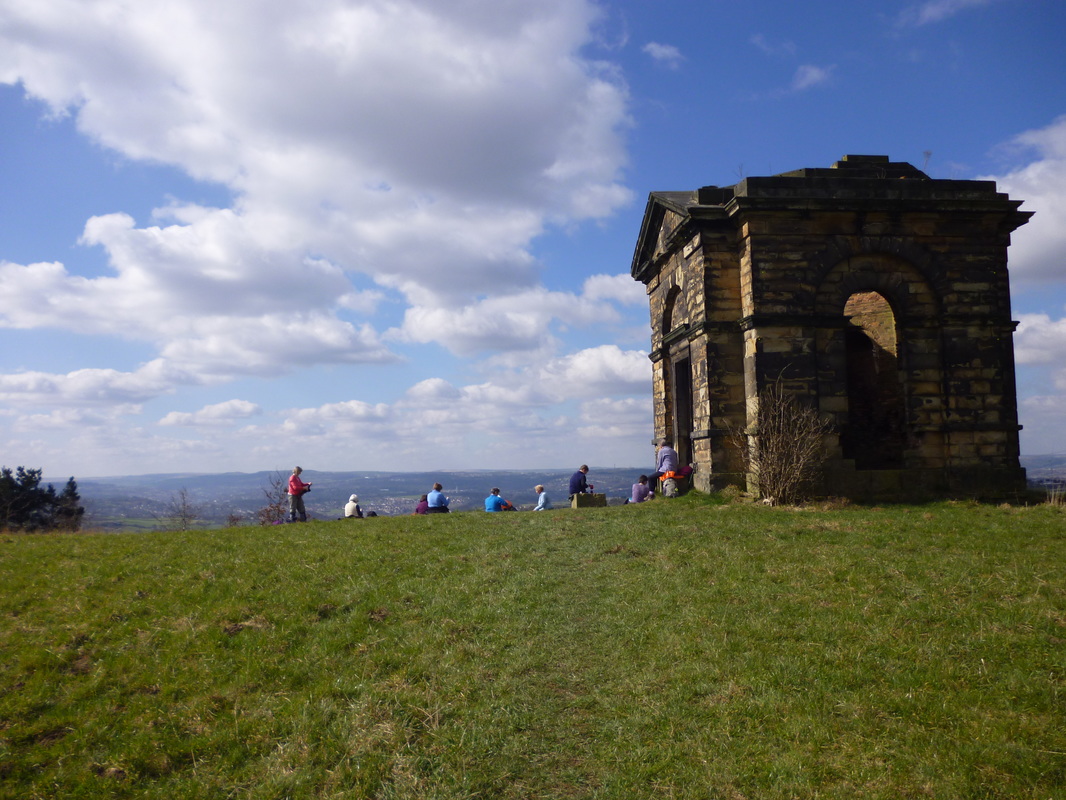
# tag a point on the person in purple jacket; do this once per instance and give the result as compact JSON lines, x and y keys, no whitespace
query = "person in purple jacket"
{"x":665,"y":461}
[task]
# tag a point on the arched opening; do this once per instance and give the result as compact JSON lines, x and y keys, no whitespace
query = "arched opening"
{"x":678,"y":374}
{"x":675,"y":311}
{"x":874,"y":434}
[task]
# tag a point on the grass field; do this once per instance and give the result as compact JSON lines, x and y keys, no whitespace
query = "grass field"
{"x":678,"y":649}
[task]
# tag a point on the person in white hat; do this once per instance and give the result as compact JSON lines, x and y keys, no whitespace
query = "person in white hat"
{"x":351,"y":509}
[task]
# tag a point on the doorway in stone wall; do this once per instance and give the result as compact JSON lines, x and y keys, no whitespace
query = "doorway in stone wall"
{"x":874,"y":434}
{"x":682,"y":397}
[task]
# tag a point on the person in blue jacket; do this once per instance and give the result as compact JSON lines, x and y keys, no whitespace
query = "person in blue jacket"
{"x":496,"y":503}
{"x":543,"y":501}
{"x":438,"y":503}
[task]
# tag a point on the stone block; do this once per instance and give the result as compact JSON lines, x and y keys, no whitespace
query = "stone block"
{"x":589,"y":501}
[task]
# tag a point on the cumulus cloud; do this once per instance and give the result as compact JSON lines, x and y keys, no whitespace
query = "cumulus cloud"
{"x":587,"y":397}
{"x":621,"y":289}
{"x":1038,"y":248}
{"x":517,"y":322}
{"x":422,"y":146}
{"x":218,"y":414}
{"x":785,"y":48}
{"x":1039,"y":339}
{"x":337,"y":419}
{"x":603,"y":371}
{"x":809,"y":75}
{"x":665,"y":54}
{"x":94,"y":387}
{"x":935,"y":11}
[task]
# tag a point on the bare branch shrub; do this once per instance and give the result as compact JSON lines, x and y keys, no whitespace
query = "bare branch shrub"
{"x":181,"y":513}
{"x":784,"y":449}
{"x":277,"y":496}
{"x":1056,"y":494}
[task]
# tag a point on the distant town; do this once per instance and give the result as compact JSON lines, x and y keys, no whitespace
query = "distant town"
{"x":146,"y":502}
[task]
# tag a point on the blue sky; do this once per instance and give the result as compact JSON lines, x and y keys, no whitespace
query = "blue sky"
{"x":359,"y":234}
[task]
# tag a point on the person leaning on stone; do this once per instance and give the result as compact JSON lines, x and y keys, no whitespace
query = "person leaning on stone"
{"x":297,"y":490}
{"x":665,"y":461}
{"x":578,"y":482}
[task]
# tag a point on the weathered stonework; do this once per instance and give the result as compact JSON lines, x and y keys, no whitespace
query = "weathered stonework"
{"x":874,"y":293}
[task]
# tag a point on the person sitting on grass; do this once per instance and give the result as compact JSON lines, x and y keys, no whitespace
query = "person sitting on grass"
{"x":640,"y":490}
{"x":496,"y":503}
{"x":544,"y":503}
{"x":352,"y":509}
{"x":423,"y":505}
{"x":437,"y":502}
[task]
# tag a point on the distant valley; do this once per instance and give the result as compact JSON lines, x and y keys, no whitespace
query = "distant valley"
{"x":144,"y":502}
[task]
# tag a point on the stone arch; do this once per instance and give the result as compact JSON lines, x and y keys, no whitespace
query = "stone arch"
{"x":675,"y":310}
{"x":677,"y":372}
{"x":874,"y":435}
{"x":883,"y":388}
{"x":842,"y":249}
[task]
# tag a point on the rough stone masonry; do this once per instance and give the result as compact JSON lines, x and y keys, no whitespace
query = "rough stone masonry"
{"x":871,"y":292}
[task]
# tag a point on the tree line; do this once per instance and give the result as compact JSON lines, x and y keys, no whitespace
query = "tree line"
{"x":27,"y":506}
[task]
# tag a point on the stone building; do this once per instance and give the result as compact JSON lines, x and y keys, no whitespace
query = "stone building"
{"x":868,"y":290}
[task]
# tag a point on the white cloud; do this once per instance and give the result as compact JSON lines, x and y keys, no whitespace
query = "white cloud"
{"x":218,"y":414}
{"x":785,"y":48}
{"x":338,"y":420}
{"x":1038,"y":249}
{"x":93,"y":387}
{"x":809,"y":75}
{"x":596,"y":402}
{"x":604,"y":371}
{"x":625,"y":418}
{"x":421,"y":145}
{"x":1039,"y":339}
{"x":665,"y":54}
{"x":621,"y":289}
{"x":519,"y":322}
{"x":1039,"y":345}
{"x":385,"y":159}
{"x":936,"y":11}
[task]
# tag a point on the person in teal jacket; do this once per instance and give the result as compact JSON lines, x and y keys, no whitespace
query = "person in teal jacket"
{"x":496,"y":503}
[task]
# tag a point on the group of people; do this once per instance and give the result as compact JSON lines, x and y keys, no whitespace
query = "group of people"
{"x":435,"y":501}
{"x":666,"y":466}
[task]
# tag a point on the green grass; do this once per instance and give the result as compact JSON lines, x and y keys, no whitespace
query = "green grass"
{"x":678,"y":649}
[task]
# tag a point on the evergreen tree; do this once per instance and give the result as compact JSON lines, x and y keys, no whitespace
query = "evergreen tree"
{"x":27,"y":506}
{"x":69,"y":512}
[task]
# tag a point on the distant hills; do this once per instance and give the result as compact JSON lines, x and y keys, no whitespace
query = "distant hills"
{"x":143,"y":501}
{"x":1046,"y":469}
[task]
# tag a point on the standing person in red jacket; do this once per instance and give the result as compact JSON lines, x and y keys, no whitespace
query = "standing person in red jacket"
{"x":297,"y":490}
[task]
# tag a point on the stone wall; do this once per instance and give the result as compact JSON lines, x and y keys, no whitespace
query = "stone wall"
{"x":760,"y":283}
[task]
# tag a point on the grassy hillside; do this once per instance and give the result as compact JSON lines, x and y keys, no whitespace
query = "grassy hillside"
{"x":677,"y":649}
